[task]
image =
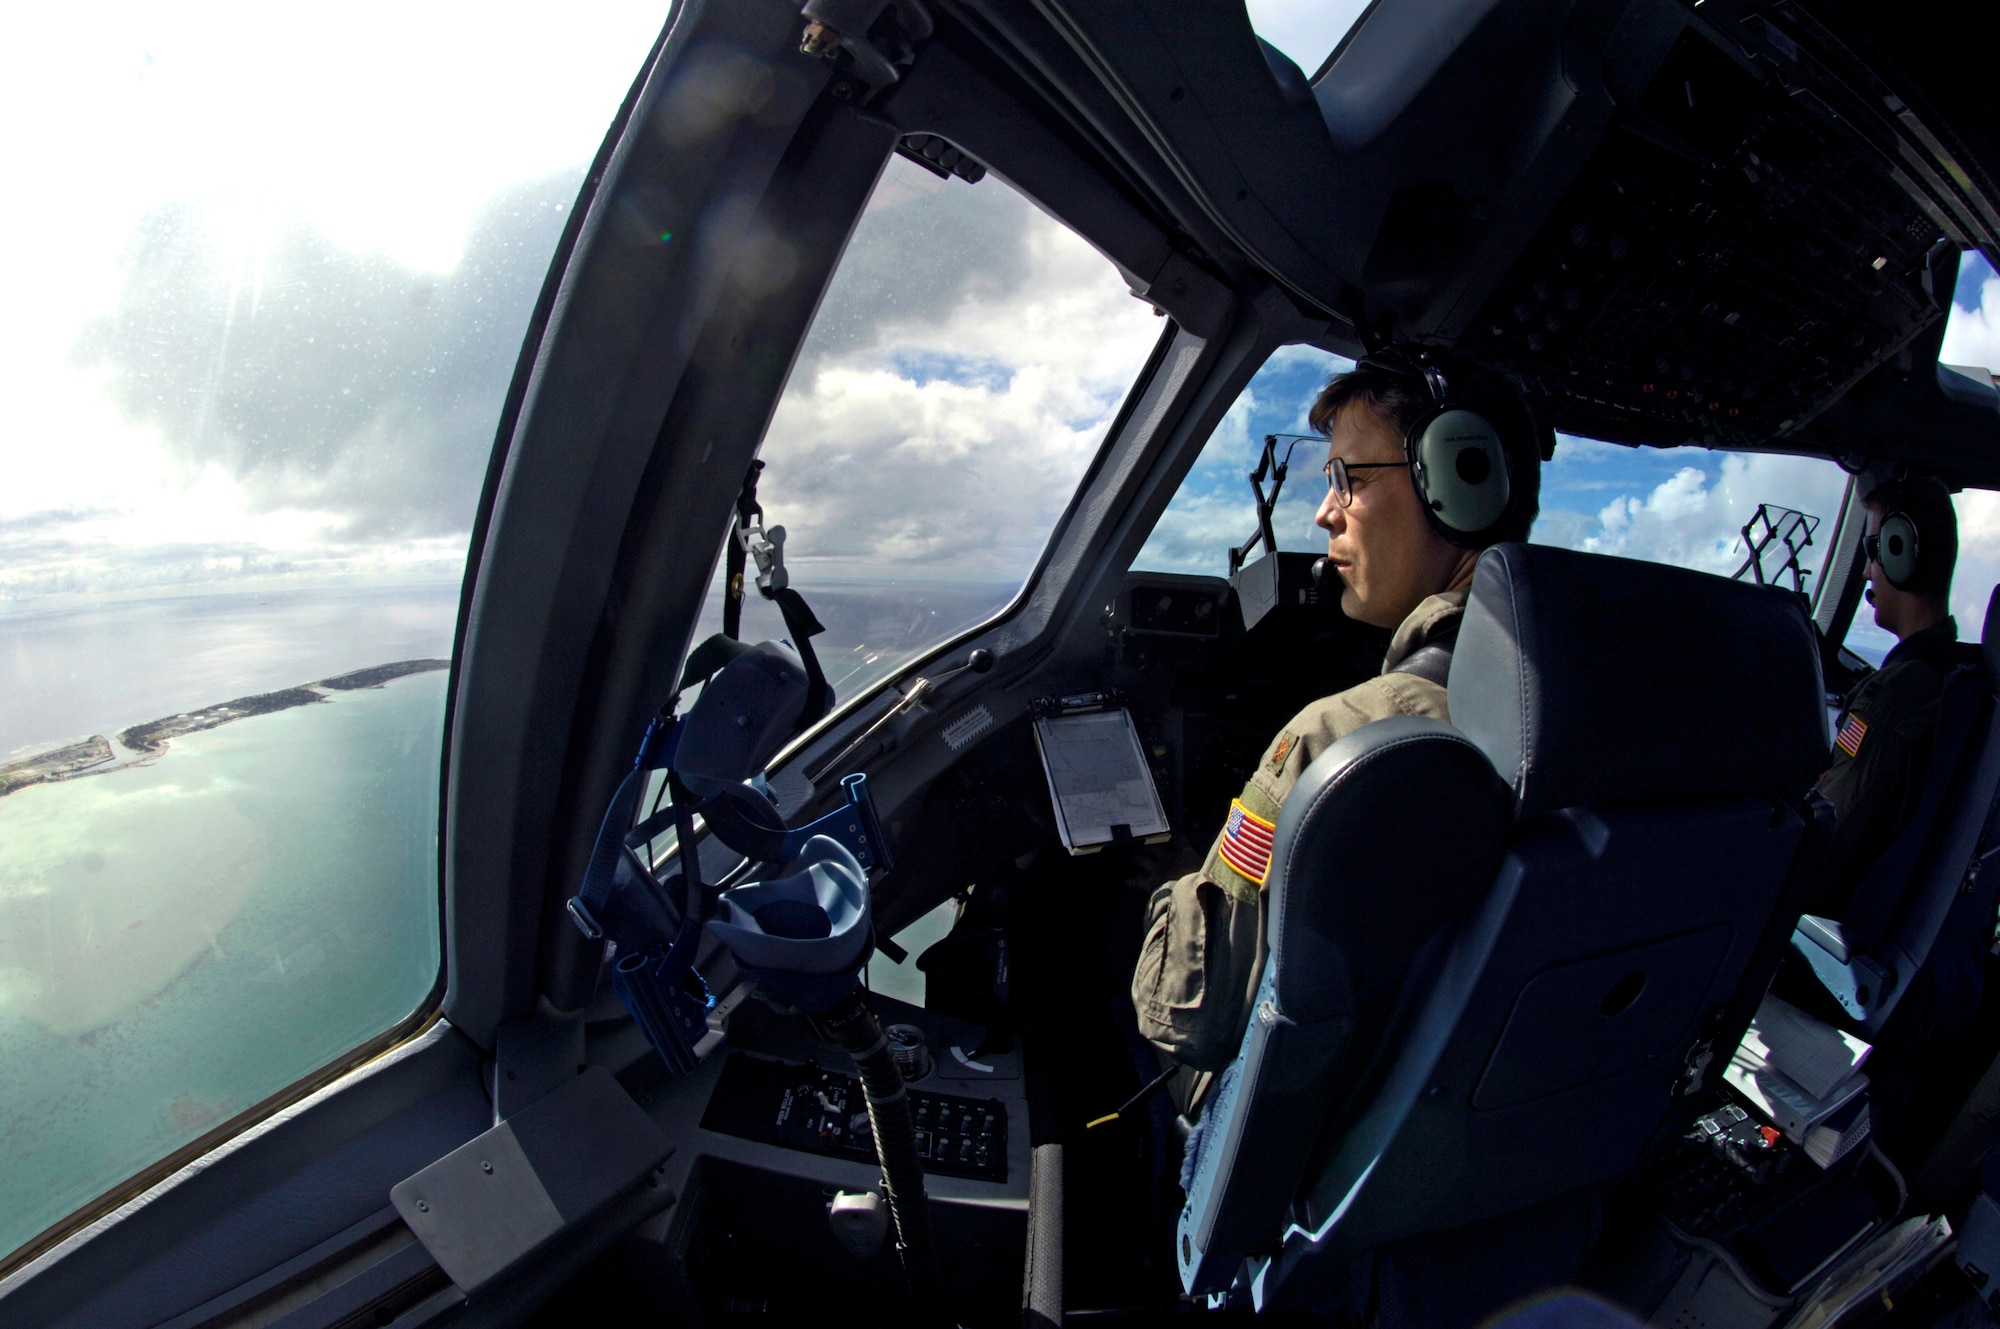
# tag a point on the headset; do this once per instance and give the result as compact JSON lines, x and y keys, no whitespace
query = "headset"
{"x":1458,"y":460}
{"x":1896,"y":549}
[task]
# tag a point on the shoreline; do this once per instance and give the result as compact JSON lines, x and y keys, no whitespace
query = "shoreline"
{"x":145,"y":742}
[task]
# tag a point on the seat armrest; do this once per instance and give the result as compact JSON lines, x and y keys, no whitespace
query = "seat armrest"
{"x":1825,"y":933}
{"x":1858,"y":983}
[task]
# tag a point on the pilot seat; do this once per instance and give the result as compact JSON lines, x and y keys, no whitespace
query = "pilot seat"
{"x":1504,"y":952}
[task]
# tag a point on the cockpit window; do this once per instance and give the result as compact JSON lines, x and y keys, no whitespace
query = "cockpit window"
{"x":1215,"y":509}
{"x":960,"y":375}
{"x":263,"y":308}
{"x":1684,"y":506}
{"x":1305,"y":30}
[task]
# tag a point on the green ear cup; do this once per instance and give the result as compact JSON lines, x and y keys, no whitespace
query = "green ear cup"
{"x":1899,"y":557}
{"x":1460,"y":469}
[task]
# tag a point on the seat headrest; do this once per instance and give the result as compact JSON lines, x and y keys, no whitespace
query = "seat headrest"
{"x":1589,"y":680}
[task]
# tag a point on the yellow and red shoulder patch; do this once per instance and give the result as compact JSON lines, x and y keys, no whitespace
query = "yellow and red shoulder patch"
{"x":1849,"y":738}
{"x":1246,"y":842}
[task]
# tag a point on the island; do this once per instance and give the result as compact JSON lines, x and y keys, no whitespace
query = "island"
{"x":95,"y":755}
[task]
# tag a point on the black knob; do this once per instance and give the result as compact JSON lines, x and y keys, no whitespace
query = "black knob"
{"x":979,"y":661}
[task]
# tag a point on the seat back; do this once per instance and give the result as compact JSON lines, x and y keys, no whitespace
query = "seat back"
{"x":1871,"y":957}
{"x":1659,"y":730}
{"x":1366,"y":871}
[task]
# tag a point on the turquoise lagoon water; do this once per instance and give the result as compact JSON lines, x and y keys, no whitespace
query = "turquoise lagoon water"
{"x":183,"y":938}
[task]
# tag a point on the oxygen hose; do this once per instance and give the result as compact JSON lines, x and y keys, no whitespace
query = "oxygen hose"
{"x":850,"y":1024}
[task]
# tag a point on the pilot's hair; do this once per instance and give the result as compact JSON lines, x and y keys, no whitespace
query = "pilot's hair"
{"x":1400,"y":400}
{"x":1922,"y":498}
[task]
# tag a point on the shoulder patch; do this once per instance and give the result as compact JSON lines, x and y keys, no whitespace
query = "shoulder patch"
{"x":1246,"y":842}
{"x":1281,"y":750}
{"x":1851,"y":734}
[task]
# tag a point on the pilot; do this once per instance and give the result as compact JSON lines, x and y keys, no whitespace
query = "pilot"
{"x":1882,"y":740}
{"x":1403,"y":534}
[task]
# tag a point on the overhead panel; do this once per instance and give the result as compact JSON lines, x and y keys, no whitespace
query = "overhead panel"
{"x":1733,"y":257}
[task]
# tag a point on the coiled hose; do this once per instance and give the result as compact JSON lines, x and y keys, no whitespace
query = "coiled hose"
{"x":850,"y":1024}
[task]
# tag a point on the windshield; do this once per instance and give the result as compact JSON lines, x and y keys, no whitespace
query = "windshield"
{"x":964,"y":366}
{"x":1685,"y":506}
{"x":265,"y":296}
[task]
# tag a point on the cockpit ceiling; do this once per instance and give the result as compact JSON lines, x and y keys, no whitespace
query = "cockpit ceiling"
{"x":1736,"y":225}
{"x":1732,"y":258}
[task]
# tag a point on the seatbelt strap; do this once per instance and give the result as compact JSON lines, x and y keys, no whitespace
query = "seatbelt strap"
{"x":1432,"y":660}
{"x":1432,"y":663}
{"x":803,"y":627}
{"x":737,"y":556}
{"x":613,"y":864}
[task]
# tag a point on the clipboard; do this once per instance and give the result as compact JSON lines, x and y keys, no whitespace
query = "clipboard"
{"x":1099,"y":780}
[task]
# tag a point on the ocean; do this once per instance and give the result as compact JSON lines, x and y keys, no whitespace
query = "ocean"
{"x":188,"y":933}
{"x":181,"y":938}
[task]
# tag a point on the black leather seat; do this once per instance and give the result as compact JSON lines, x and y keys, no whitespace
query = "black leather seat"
{"x":1487,"y":990}
{"x":1922,"y":893}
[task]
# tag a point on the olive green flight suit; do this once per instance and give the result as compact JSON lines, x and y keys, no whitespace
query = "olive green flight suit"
{"x":1204,"y":948}
{"x":1882,"y":748}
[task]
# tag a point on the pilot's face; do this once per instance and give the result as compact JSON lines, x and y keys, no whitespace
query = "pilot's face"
{"x":1387,"y":555}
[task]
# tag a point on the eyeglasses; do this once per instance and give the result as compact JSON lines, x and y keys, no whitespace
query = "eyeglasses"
{"x":1871,"y":545}
{"x":1336,"y":476}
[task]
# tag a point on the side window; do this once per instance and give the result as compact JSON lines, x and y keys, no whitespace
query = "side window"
{"x":969,"y":356}
{"x":253,"y":363}
{"x":1971,"y":347}
{"x":1684,"y":506}
{"x":963,"y":368}
{"x":1214,"y":510}
{"x":1973,"y":575}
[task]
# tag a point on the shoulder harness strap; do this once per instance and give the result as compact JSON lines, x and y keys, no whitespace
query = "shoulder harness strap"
{"x":1431,"y":661}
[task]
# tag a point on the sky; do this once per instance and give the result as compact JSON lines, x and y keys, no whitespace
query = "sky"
{"x":270,"y":275}
{"x":281,"y":268}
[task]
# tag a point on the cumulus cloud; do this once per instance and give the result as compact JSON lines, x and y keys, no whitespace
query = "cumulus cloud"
{"x":1692,"y":518}
{"x":1972,"y":333}
{"x":322,"y":379}
{"x":1978,"y":558}
{"x":961,"y":374}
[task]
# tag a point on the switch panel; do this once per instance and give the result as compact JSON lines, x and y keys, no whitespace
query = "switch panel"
{"x":824,"y":1112}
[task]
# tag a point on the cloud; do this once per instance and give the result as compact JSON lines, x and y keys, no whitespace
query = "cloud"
{"x":248,"y":168}
{"x":1978,"y":568}
{"x":324,"y":379}
{"x":1972,"y":333}
{"x":962,"y":372}
{"x":1693,"y":518}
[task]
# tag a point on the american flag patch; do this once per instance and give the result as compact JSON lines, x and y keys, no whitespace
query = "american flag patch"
{"x":1850,"y":736}
{"x":1246,"y":842}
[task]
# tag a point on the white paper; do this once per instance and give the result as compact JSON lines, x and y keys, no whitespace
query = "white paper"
{"x":1098,"y":778}
{"x":1811,"y":1053}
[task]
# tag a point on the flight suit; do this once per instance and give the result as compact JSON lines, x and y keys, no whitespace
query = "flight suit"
{"x":1204,"y":948}
{"x":1882,"y":746}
